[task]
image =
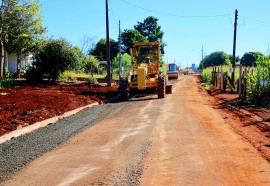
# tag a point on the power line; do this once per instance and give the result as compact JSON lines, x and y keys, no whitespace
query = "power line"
{"x":175,"y":15}
{"x":112,"y":12}
{"x":255,"y":21}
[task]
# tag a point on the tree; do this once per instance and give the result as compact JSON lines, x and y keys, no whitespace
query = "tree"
{"x":91,"y":64}
{"x":99,"y":51}
{"x":86,"y":44}
{"x":150,"y":29}
{"x":216,"y":59}
{"x":131,"y":36}
{"x":250,"y":58}
{"x":78,"y":65}
{"x":237,"y":58}
{"x":51,"y":59}
{"x":20,"y":27}
{"x":126,"y":63}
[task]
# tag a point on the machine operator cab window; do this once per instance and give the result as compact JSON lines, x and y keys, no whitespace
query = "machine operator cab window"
{"x":147,"y":54}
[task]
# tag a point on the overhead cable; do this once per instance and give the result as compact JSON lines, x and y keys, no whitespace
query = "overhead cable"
{"x":175,"y":15}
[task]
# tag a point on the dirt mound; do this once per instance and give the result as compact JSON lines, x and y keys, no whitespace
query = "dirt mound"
{"x":24,"y":105}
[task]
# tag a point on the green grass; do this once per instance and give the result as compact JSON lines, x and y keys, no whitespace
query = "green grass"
{"x":207,"y":86}
{"x":99,"y":76}
{"x":72,"y":76}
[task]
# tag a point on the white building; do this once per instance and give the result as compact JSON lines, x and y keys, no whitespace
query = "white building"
{"x":12,"y":62}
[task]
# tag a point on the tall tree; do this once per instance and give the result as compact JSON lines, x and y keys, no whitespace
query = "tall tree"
{"x":131,"y":36}
{"x":7,"y":17}
{"x":150,"y":29}
{"x":20,"y":26}
{"x":99,"y":51}
{"x":86,"y":44}
{"x":250,"y":58}
{"x":216,"y":58}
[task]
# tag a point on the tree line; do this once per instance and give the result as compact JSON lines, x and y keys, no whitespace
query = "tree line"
{"x":22,"y":33}
{"x":249,"y":59}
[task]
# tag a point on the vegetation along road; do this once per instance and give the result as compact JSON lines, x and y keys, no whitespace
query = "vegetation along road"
{"x":179,"y":140}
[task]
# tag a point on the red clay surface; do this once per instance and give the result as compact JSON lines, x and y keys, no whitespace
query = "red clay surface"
{"x":184,"y":139}
{"x":25,"y":105}
{"x":251,"y":122}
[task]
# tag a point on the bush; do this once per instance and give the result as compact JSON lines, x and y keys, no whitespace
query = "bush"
{"x":91,"y":80}
{"x":207,"y":76}
{"x":8,"y":81}
{"x":259,"y":82}
{"x":51,"y":59}
{"x":33,"y":74}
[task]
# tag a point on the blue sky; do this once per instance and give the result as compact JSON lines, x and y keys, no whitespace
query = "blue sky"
{"x":187,"y":24}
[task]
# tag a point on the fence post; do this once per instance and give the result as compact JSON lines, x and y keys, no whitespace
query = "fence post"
{"x":216,"y":77}
{"x":245,"y":84}
{"x":225,"y":81}
{"x":240,"y":82}
{"x":221,"y":78}
{"x":213,"y":81}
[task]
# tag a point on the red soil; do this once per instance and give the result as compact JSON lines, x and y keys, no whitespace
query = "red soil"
{"x":25,"y":105}
{"x":251,"y":122}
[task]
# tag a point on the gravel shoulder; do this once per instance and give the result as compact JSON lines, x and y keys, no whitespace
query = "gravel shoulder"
{"x":19,"y":152}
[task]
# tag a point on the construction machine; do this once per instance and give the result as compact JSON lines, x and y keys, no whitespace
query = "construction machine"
{"x":172,"y":71}
{"x":145,"y":74}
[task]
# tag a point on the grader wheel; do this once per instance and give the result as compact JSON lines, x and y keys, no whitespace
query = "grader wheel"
{"x":161,"y":89}
{"x":122,"y":90}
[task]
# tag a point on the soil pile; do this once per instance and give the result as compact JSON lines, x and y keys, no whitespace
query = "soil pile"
{"x":24,"y":105}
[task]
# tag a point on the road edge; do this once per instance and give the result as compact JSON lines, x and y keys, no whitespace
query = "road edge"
{"x":44,"y":123}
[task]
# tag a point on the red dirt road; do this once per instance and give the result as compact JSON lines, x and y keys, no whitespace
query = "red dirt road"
{"x":25,"y":105}
{"x":179,"y":140}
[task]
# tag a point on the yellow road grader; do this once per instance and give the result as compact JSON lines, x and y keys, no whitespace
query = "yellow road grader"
{"x":145,"y":74}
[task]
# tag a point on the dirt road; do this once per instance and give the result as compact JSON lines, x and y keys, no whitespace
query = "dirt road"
{"x":179,"y":140}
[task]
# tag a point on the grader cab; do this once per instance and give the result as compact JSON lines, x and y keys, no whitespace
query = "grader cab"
{"x":145,"y":74}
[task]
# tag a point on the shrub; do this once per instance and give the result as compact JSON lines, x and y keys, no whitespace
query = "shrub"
{"x":8,"y":81}
{"x":259,"y":80}
{"x":91,"y":80}
{"x":207,"y":76}
{"x":33,"y":74}
{"x":51,"y":59}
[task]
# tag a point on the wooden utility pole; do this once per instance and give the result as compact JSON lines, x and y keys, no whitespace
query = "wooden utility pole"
{"x":108,"y":47}
{"x":120,"y":61}
{"x":234,"y":44}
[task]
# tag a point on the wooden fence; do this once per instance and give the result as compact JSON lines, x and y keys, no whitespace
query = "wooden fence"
{"x":223,"y":80}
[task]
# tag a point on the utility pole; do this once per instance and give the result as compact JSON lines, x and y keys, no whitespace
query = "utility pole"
{"x":234,"y":44}
{"x":108,"y":47}
{"x":120,"y":62}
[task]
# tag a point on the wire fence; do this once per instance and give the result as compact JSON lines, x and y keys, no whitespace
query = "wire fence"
{"x":251,"y":83}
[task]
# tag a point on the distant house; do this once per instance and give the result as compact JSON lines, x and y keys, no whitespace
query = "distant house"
{"x":11,"y":61}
